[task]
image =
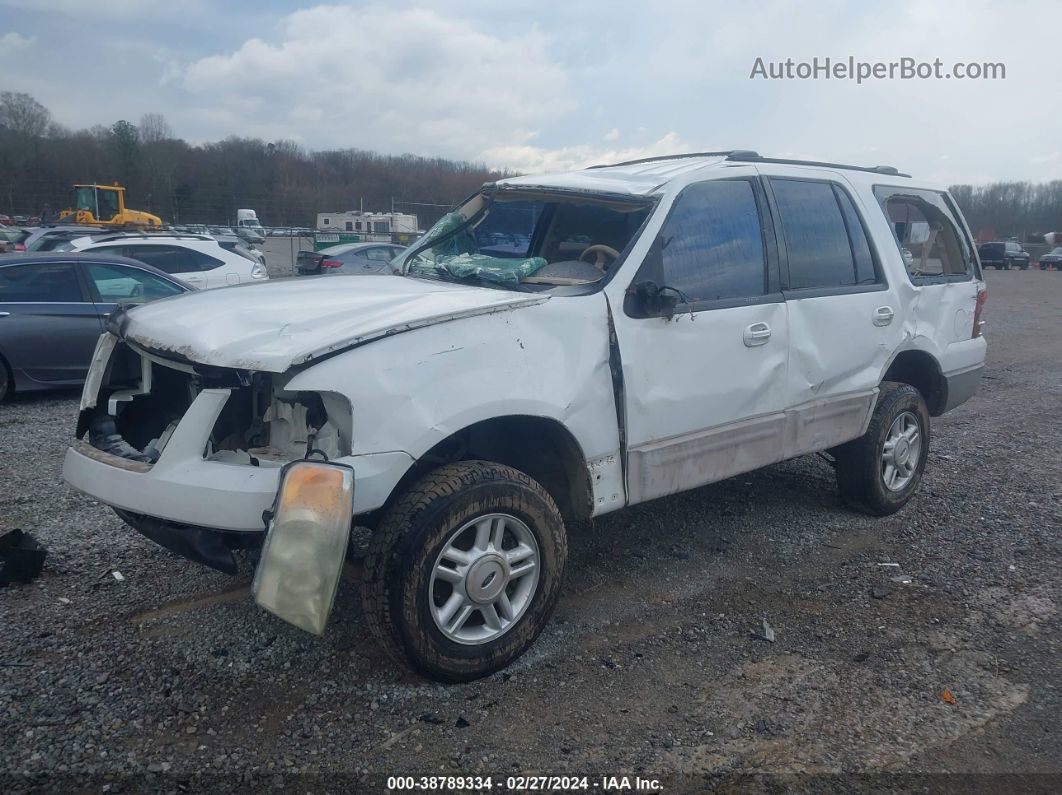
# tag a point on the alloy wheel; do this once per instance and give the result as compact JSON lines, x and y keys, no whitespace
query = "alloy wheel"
{"x":901,"y":452}
{"x":484,"y":579}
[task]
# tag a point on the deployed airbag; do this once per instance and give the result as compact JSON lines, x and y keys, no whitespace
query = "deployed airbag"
{"x":495,"y":269}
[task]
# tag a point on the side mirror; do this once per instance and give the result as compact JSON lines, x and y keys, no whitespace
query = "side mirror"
{"x":655,"y":300}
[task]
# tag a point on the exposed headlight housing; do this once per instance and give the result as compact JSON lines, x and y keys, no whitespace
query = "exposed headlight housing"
{"x":306,"y":543}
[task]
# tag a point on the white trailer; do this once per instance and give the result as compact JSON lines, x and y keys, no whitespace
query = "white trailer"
{"x":369,"y":226}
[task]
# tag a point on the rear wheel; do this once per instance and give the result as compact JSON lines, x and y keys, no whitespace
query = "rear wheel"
{"x":464,"y":570}
{"x":880,"y":471}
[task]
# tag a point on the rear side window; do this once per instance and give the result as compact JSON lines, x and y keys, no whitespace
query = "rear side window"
{"x":865,"y":272}
{"x":379,"y":254}
{"x":927,"y":235}
{"x":162,"y":257}
{"x":711,"y":245}
{"x":824,"y":237}
{"x":173,"y":259}
{"x":46,"y":283}
{"x":120,"y":283}
{"x":53,"y":243}
{"x":201,"y":261}
{"x":118,"y":251}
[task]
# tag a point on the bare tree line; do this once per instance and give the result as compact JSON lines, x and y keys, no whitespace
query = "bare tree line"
{"x":288,"y":185}
{"x":183,"y":183}
{"x":1022,"y":210}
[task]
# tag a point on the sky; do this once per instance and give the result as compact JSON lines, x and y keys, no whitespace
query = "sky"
{"x":547,"y":86}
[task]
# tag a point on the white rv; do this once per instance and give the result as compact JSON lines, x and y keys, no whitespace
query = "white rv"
{"x":370,"y":227}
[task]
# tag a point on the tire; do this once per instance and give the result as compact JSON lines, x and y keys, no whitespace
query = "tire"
{"x":404,"y":594}
{"x":7,"y":383}
{"x":860,"y":464}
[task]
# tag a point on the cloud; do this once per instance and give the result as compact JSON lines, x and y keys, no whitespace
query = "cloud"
{"x":12,"y":42}
{"x":587,"y":82}
{"x":539,"y":160}
{"x":384,"y":78}
{"x":109,"y":9}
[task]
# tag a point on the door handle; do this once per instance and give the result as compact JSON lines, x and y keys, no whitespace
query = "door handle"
{"x":883,"y":316}
{"x":5,"y":314}
{"x":756,"y":334}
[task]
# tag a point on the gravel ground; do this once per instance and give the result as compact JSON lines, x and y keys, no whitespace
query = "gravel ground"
{"x":172,"y":679}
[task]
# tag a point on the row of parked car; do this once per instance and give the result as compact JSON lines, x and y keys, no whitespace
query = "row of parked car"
{"x":1007,"y":254}
{"x":62,"y":282}
{"x":19,"y":220}
{"x":59,"y":287}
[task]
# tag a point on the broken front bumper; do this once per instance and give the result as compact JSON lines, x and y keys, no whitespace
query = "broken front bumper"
{"x":184,"y":487}
{"x":204,"y":545}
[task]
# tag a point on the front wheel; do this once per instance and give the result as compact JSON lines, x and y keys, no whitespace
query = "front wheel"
{"x":6,"y":382}
{"x":880,"y":471}
{"x":464,"y":570}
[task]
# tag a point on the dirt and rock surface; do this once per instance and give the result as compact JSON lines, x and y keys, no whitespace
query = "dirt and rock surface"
{"x":655,"y":664}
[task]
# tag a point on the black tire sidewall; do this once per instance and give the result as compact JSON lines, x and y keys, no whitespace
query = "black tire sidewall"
{"x":427,"y":649}
{"x":906,"y":399}
{"x":859,"y":462}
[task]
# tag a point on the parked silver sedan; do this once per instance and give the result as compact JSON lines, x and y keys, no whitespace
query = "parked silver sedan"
{"x":348,"y":258}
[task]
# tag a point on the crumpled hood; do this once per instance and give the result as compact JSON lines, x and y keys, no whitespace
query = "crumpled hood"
{"x":279,"y":324}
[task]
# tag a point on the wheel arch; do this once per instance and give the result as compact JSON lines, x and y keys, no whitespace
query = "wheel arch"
{"x":921,"y":370}
{"x":540,"y":447}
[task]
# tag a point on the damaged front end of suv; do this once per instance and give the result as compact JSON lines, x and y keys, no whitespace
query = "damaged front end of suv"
{"x":249,"y":461}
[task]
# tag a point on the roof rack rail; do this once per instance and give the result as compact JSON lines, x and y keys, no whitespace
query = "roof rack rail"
{"x":147,"y":235}
{"x":743,"y":156}
{"x":684,"y":156}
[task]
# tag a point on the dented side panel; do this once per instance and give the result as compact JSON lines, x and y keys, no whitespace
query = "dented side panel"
{"x":934,"y":318}
{"x":551,"y":360}
{"x":837,"y":351}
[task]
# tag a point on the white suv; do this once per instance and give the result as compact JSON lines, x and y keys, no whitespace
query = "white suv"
{"x":559,"y":347}
{"x":198,"y":260}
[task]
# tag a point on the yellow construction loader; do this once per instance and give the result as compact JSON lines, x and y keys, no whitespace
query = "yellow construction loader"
{"x":104,"y":205}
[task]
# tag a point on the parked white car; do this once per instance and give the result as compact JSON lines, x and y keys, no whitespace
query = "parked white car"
{"x":198,"y":260}
{"x":558,"y":348}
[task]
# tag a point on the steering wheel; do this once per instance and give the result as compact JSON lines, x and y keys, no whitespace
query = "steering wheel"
{"x":601,"y":251}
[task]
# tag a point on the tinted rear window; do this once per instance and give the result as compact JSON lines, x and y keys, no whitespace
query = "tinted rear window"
{"x":824,"y":238}
{"x":46,"y":282}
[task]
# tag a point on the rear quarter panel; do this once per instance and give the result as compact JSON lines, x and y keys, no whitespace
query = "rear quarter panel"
{"x":934,"y":318}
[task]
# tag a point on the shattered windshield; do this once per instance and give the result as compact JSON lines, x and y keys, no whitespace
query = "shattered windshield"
{"x":527,"y":238}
